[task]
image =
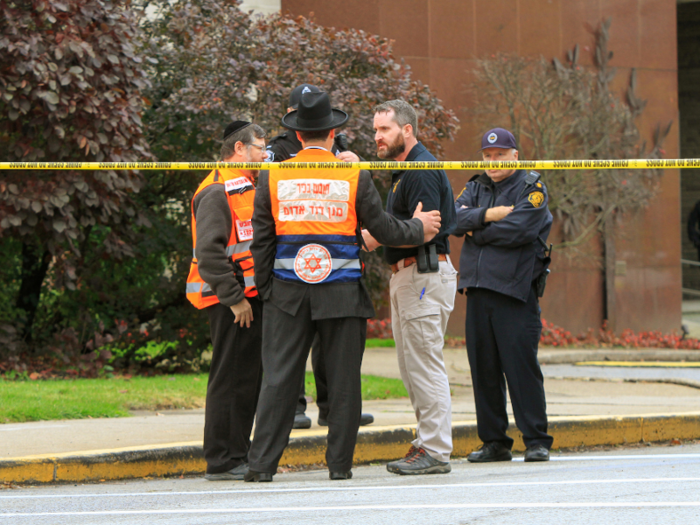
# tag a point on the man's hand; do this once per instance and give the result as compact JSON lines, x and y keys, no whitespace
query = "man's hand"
{"x":497,"y":213}
{"x":348,"y":156}
{"x":431,"y":222}
{"x":371,"y":242}
{"x":243,"y":312}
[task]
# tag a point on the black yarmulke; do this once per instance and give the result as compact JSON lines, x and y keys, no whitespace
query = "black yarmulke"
{"x":235,"y":126}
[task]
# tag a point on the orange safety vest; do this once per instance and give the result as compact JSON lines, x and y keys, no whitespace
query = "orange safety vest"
{"x":240,"y":193}
{"x":315,"y":221}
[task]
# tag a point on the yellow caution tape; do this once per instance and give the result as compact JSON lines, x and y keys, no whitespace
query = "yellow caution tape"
{"x":626,"y":164}
{"x":642,"y":364}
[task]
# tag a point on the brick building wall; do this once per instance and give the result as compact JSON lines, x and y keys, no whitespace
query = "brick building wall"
{"x":440,"y":39}
{"x":689,"y":106}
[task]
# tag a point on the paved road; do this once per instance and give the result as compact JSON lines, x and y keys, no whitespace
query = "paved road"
{"x":638,"y":486}
{"x":612,"y":372}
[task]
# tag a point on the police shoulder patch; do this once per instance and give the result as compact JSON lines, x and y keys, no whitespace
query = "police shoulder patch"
{"x":536,"y":198}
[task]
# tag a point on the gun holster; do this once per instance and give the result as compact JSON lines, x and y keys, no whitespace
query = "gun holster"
{"x":541,"y":280}
{"x":541,"y":283}
{"x":427,"y":260}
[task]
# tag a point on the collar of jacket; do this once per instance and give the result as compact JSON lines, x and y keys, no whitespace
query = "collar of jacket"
{"x":228,"y":174}
{"x":315,"y":155}
{"x":503,"y":185}
{"x":415,"y":151}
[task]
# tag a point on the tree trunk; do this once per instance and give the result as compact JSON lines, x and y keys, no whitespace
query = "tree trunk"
{"x":35,"y":264}
{"x":610,"y":309}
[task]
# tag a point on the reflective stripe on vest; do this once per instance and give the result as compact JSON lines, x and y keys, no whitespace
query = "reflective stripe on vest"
{"x":316,"y":222}
{"x":204,"y":287}
{"x":240,"y":194}
{"x":239,"y":248}
{"x":294,"y":261}
{"x":198,"y":287}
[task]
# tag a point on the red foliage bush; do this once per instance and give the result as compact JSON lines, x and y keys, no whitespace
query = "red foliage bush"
{"x":379,"y":329}
{"x":558,"y":337}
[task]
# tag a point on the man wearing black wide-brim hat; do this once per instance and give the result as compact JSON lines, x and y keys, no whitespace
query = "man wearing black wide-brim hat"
{"x":306,"y":246}
{"x":280,"y":148}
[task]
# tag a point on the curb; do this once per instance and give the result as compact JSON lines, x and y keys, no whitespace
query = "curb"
{"x":378,"y":444}
{"x":551,"y":356}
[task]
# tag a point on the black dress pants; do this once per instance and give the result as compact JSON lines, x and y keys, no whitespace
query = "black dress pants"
{"x":319,"y":367}
{"x":286,"y":343}
{"x":502,"y":337}
{"x":233,"y":388}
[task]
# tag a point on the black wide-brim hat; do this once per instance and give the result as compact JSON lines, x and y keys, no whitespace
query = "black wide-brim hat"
{"x":314,"y":114}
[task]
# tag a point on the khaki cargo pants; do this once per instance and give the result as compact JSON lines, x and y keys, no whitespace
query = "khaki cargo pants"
{"x":419,"y":325}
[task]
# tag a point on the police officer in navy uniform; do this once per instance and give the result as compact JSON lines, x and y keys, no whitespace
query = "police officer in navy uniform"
{"x":280,"y":148}
{"x":505,"y":221}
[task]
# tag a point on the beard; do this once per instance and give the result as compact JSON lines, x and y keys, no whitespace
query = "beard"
{"x":394,"y":149}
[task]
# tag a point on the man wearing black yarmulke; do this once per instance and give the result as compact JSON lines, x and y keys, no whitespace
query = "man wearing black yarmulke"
{"x":221,"y":282}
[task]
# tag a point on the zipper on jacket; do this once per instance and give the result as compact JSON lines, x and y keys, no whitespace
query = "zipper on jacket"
{"x":492,"y":203}
{"x":478,"y":264}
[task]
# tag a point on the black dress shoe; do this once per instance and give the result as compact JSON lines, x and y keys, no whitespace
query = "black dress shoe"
{"x":491,"y":451}
{"x":258,"y":477}
{"x":301,"y":421}
{"x":537,"y":453}
{"x":236,"y":473}
{"x":340,"y":475}
{"x":365,"y":419}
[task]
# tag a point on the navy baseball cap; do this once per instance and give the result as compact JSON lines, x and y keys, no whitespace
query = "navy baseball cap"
{"x":297,"y":92}
{"x":498,"y":138}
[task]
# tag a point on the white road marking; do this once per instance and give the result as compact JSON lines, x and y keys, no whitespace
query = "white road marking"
{"x":351,"y":488}
{"x":630,"y":456}
{"x":586,"y":505}
{"x":7,"y":428}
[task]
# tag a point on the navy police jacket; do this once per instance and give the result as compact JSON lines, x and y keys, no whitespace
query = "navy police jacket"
{"x":504,"y":256}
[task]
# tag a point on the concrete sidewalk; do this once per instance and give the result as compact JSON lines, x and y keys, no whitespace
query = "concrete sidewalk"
{"x":586,"y":412}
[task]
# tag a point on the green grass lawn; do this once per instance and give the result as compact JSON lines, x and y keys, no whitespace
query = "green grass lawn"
{"x":379,"y":343}
{"x":82,"y":398}
{"x":386,"y":343}
{"x":373,"y":387}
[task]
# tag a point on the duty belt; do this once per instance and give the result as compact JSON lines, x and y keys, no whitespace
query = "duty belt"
{"x":408,"y":261}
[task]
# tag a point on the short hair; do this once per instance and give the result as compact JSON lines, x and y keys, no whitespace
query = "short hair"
{"x":246,"y":135}
{"x":403,"y":113}
{"x":310,"y":136}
